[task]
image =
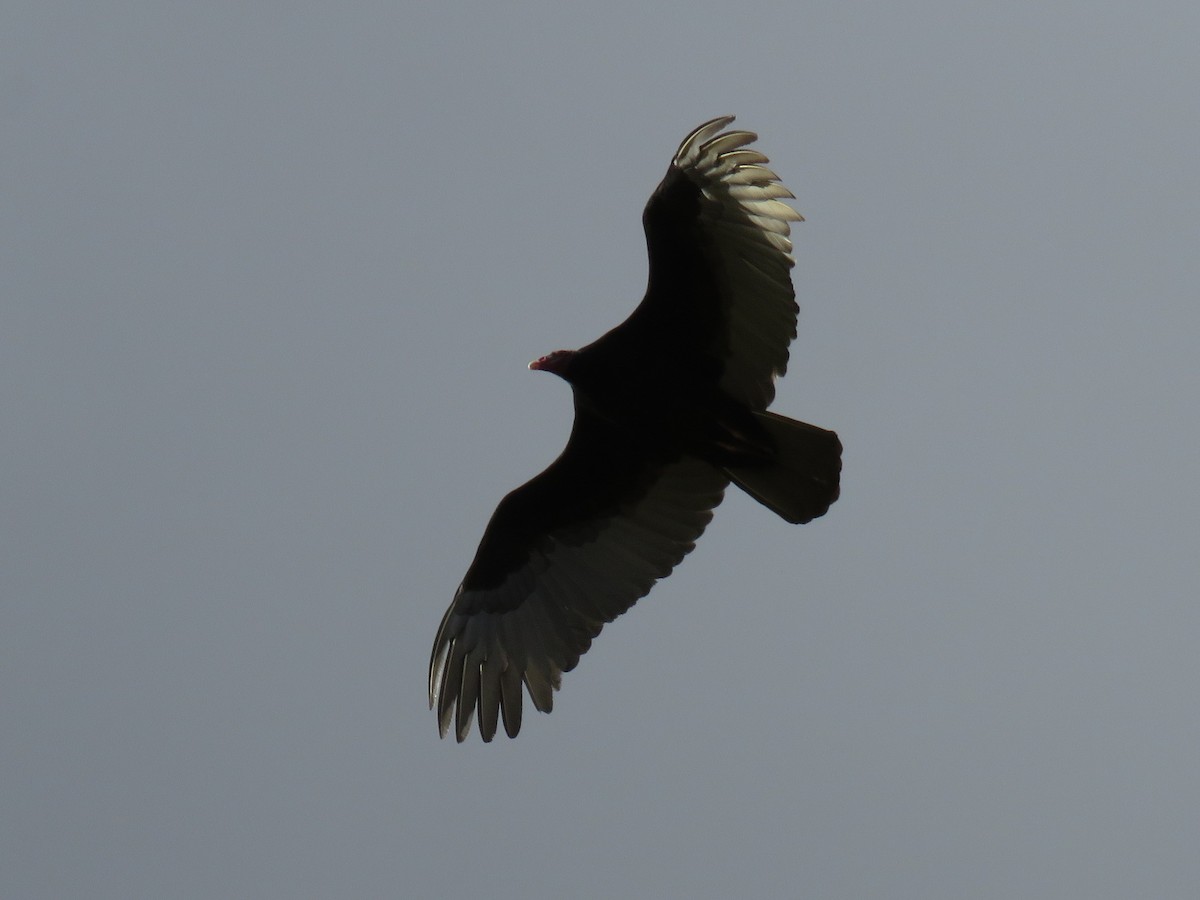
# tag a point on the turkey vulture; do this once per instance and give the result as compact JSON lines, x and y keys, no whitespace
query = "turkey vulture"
{"x":670,"y":406}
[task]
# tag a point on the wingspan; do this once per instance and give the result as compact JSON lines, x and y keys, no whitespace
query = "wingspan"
{"x":718,"y":239}
{"x":579,"y":544}
{"x":554,"y":566}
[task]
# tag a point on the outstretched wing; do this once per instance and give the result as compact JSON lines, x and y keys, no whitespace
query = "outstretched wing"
{"x":564,"y":554}
{"x":718,"y":239}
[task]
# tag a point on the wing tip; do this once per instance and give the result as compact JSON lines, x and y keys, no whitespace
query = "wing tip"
{"x":720,"y":160}
{"x":698,"y":137}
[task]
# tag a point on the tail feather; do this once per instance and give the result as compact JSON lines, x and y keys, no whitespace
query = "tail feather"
{"x":801,"y":482}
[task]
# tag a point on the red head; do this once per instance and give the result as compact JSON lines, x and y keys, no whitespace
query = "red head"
{"x":556,"y":362}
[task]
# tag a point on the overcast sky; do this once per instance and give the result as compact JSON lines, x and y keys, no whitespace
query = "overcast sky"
{"x":269,"y":278}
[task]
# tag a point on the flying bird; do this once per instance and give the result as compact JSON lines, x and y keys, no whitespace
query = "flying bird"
{"x":670,"y":407}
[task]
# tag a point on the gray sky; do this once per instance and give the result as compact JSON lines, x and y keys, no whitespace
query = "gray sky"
{"x":269,"y":280}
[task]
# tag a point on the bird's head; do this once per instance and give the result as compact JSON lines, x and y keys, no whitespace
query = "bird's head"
{"x":558,"y":362}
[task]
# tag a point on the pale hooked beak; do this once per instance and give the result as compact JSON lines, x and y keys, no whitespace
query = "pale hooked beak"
{"x":555,"y":362}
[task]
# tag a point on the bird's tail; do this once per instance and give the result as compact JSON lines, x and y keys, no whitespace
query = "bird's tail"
{"x":801,"y":482}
